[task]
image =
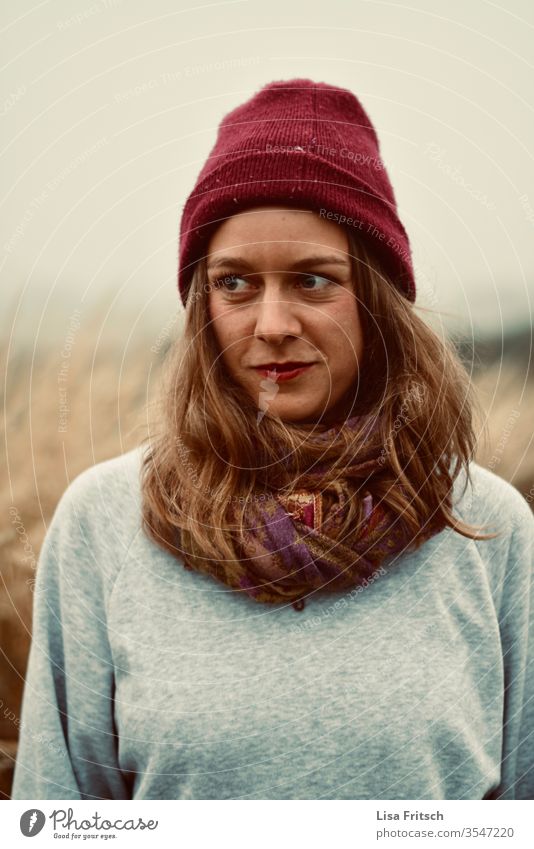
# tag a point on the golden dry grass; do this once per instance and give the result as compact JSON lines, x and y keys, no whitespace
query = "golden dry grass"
{"x":106,"y":400}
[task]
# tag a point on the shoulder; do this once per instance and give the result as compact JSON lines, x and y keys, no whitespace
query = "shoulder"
{"x":106,"y":483}
{"x":482,"y":496}
{"x":494,"y":505}
{"x":98,"y":517}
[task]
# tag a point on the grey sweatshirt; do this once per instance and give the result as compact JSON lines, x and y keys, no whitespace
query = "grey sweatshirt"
{"x":149,"y":681}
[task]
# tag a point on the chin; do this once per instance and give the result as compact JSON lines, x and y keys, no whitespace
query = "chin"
{"x":297,"y":415}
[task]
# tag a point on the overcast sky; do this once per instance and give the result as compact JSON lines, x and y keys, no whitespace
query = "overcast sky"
{"x":109,"y":110}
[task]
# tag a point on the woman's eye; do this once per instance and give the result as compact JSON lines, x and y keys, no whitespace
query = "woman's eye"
{"x":312,"y":277}
{"x":309,"y":282}
{"x":227,"y":282}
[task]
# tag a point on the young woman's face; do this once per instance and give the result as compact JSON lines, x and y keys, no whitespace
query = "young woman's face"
{"x":281,"y":292}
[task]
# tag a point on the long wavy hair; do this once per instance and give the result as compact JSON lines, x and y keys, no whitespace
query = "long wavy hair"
{"x":207,"y":451}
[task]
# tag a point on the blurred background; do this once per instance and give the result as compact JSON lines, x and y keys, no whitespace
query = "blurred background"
{"x":109,"y":110}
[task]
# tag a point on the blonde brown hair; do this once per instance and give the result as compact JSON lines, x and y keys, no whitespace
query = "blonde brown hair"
{"x":207,"y":450}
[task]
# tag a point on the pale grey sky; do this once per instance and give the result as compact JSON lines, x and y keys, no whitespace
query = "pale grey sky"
{"x":109,"y":109}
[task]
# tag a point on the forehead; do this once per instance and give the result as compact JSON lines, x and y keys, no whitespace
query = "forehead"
{"x":277,"y":231}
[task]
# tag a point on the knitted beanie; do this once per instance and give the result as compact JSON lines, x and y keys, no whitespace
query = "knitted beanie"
{"x":301,"y":144}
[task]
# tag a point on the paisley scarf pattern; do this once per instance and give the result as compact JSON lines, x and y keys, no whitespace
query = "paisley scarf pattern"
{"x":290,"y":545}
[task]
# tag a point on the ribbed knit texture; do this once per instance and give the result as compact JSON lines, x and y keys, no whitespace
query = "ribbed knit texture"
{"x":303,"y":144}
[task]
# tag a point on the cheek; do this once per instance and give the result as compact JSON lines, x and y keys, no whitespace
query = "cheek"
{"x":226,"y":329}
{"x":220,"y":331}
{"x":220,"y":323}
{"x":344,"y":331}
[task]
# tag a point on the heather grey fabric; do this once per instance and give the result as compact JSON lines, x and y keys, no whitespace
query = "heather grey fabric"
{"x":149,"y":681}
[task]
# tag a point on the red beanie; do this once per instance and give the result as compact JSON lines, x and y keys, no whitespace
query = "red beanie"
{"x":303,"y":144}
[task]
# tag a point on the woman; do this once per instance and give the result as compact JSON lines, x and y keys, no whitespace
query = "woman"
{"x":352,"y":621}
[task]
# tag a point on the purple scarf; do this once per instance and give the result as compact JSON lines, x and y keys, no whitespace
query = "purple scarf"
{"x":290,"y":544}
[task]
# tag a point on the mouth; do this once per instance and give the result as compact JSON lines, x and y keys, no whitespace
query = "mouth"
{"x":283,"y":371}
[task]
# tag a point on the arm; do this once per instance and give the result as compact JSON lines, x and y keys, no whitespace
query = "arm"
{"x":516,"y":619}
{"x":68,"y":745}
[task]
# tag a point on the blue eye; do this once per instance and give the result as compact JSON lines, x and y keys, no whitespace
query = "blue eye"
{"x":229,"y":281}
{"x":318,"y":277}
{"x":223,"y":282}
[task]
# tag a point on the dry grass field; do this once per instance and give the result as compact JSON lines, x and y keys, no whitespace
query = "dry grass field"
{"x":45,"y":446}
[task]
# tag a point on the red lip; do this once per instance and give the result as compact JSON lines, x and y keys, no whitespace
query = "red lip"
{"x":284,"y":365}
{"x":285,"y":374}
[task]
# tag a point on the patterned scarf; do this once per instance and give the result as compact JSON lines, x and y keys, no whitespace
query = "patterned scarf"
{"x":290,"y":547}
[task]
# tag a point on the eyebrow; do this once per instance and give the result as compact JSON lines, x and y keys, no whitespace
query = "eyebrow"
{"x":320,"y":259}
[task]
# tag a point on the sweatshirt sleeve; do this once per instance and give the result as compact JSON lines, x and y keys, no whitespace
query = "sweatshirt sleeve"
{"x":68,"y":743}
{"x":516,"y":621}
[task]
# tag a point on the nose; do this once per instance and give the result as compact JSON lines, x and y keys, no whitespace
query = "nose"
{"x":276,"y":318}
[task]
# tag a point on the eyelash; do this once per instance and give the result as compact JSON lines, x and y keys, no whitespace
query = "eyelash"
{"x":220,"y":282}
